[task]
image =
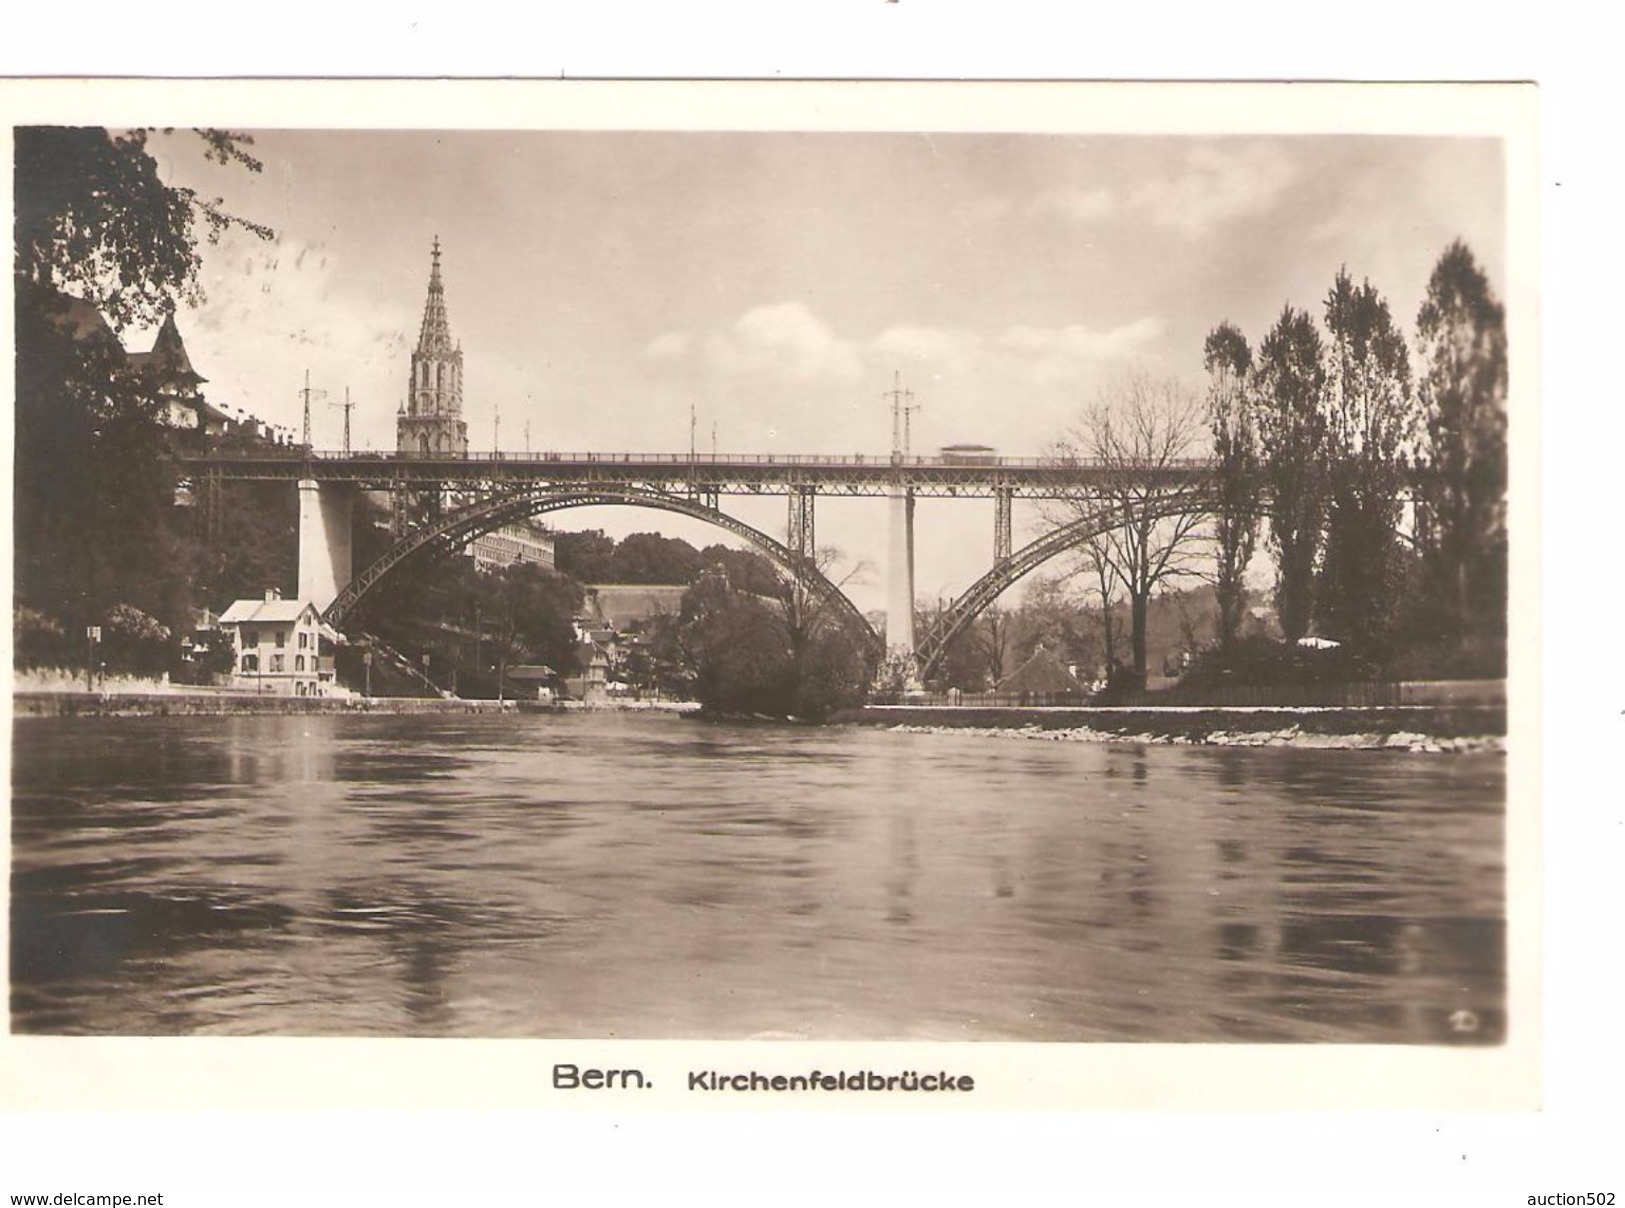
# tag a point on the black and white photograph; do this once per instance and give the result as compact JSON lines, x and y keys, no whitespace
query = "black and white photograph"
{"x":509,"y":579}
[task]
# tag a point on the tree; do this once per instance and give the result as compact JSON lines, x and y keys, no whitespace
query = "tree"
{"x":1135,"y":434}
{"x":587,"y":557}
{"x":737,"y":648}
{"x":1229,"y":362}
{"x":788,"y":654}
{"x":1050,"y":616}
{"x":747,"y":570}
{"x":1371,"y":423}
{"x":1289,"y":383}
{"x":964,"y":663}
{"x":1462,"y":386}
{"x":996,"y":628}
{"x":1096,"y":555}
{"x":829,"y":667}
{"x":95,"y":220}
{"x":99,"y":236}
{"x":651,"y":558}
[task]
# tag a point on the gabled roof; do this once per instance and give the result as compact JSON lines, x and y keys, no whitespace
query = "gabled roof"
{"x":532,"y":671}
{"x":265,"y":611}
{"x":1044,"y":672}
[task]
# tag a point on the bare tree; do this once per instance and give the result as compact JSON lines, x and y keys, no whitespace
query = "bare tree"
{"x":1135,"y":434}
{"x":1096,"y":555}
{"x":998,"y":640}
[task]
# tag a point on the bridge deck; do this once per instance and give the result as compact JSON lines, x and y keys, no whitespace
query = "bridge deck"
{"x":726,"y":473}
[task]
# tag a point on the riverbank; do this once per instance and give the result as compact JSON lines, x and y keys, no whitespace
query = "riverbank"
{"x":244,"y":704}
{"x":1405,"y":728}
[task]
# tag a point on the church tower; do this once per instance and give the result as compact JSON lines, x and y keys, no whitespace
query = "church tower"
{"x":431,"y":422}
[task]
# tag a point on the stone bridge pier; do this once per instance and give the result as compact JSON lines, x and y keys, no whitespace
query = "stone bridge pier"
{"x":325,"y":510}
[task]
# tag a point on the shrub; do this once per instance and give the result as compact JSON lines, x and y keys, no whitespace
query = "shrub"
{"x":1259,"y":660}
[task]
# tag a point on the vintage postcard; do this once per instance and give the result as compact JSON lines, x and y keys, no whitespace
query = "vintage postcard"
{"x":728,"y":595}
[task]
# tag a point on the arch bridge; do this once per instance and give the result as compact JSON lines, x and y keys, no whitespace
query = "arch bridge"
{"x":499,"y":488}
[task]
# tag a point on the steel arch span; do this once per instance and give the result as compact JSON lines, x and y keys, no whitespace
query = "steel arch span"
{"x":456,"y":529}
{"x":979,"y":595}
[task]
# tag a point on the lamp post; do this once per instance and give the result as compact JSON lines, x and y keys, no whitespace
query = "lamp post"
{"x":93,"y":635}
{"x":366,"y":661}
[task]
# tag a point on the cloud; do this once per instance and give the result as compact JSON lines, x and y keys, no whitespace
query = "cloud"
{"x":275,"y":310}
{"x":942,"y":350}
{"x":1076,"y":204}
{"x":1215,"y":187}
{"x":1051,"y":354}
{"x":786,"y":340}
{"x":789,"y":342}
{"x":782,"y":377}
{"x":668,"y":346}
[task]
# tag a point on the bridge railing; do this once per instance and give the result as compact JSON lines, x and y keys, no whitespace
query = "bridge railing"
{"x":842,"y":460}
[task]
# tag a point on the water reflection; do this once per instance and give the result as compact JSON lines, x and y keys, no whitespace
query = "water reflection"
{"x":619,"y":876}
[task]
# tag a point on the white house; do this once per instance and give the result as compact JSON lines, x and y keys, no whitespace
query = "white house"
{"x":281,"y":646}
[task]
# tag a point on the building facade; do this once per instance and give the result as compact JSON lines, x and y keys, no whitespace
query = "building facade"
{"x":430,"y":422}
{"x":279,"y":646}
{"x":511,"y":545}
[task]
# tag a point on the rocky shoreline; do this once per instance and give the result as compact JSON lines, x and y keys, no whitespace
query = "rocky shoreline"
{"x":1401,"y":740}
{"x":1419,"y":729}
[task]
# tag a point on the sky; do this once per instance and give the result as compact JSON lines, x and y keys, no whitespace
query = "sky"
{"x":607,"y":285}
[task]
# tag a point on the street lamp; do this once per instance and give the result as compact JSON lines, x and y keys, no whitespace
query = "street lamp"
{"x":93,"y":635}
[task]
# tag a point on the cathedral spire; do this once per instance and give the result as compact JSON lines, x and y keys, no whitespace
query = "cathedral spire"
{"x":433,"y":420}
{"x":434,"y":337}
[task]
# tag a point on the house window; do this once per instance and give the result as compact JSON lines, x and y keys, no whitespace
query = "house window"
{"x":281,"y":638}
{"x":251,"y":662}
{"x":299,"y":660}
{"x":276,"y":663}
{"x":250,"y":638}
{"x":304,"y":641}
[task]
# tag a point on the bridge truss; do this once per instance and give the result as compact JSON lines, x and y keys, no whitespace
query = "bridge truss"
{"x":507,"y":487}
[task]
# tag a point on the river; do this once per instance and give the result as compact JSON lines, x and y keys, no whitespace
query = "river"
{"x":618,"y":875}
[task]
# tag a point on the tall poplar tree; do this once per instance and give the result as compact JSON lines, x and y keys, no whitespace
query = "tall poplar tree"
{"x":1462,"y":385}
{"x":1289,"y":383}
{"x":1229,"y":362}
{"x":1372,"y":426}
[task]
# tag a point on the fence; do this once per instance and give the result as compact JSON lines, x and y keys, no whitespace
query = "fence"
{"x":1373,"y":695}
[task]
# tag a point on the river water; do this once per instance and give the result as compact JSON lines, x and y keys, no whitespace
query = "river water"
{"x":618,"y":875}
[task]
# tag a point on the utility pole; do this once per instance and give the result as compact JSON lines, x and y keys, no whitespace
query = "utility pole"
{"x":307,"y":394}
{"x":347,"y":405}
{"x":691,"y":432}
{"x":527,"y":438}
{"x":496,"y":428}
{"x":902,"y":405}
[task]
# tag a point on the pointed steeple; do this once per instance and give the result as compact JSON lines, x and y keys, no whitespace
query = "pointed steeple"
{"x":434,"y":337}
{"x":433,"y":419}
{"x":169,"y":352}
